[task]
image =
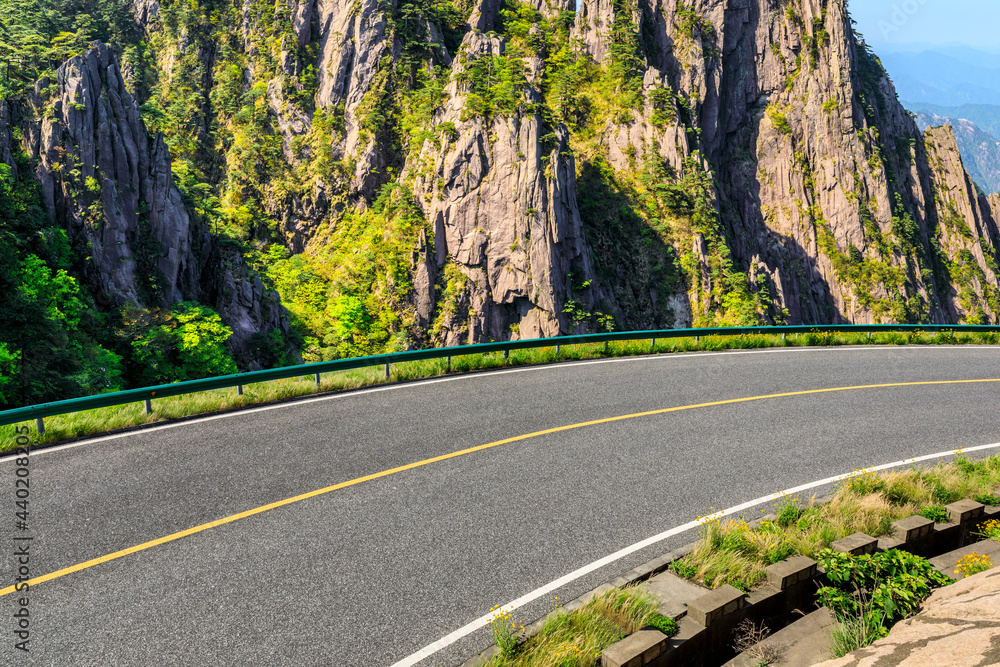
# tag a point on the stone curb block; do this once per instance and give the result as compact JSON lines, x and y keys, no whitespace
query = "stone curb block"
{"x":964,"y":511}
{"x":912,"y":528}
{"x":857,"y":544}
{"x":636,"y":650}
{"x":789,"y":572}
{"x":711,"y":607}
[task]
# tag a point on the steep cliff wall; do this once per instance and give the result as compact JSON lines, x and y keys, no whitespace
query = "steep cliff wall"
{"x":503,"y":207}
{"x":806,"y":191}
{"x":980,"y":150}
{"x":451,"y":172}
{"x":823,"y":181}
{"x":109,"y":184}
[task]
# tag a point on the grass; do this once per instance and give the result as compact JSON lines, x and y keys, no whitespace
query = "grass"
{"x":577,"y":638}
{"x":855,"y":632}
{"x":90,"y":422}
{"x":734,"y":552}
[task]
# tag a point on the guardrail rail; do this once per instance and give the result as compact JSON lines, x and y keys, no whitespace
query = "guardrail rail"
{"x":148,"y":394}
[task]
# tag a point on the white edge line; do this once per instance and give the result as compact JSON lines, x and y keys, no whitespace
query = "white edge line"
{"x":466,"y":376}
{"x":482,"y":621}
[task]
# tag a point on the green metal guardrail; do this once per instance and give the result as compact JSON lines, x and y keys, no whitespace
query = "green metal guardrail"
{"x":147,"y":394}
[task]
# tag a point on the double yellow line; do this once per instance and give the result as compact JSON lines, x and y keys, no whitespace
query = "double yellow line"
{"x":444,"y":457}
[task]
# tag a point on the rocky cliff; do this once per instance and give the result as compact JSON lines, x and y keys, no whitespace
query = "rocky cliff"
{"x":980,"y":150}
{"x":455,"y":172}
{"x":108,"y":183}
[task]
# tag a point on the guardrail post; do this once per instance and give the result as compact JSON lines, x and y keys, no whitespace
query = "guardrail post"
{"x":782,"y":336}
{"x":557,"y":349}
{"x":652,"y":345}
{"x":317,"y":380}
{"x":239,"y":390}
{"x":869,"y":335}
{"x":697,"y":339}
{"x":605,"y":347}
{"x":387,"y":371}
{"x":149,"y":406}
{"x":40,"y":425}
{"x":506,"y":354}
{"x":447,"y":364}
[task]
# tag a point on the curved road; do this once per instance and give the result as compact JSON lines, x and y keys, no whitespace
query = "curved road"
{"x":372,"y":572}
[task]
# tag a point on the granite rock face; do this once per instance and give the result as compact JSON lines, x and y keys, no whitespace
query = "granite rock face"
{"x":6,"y":138}
{"x":501,"y":197}
{"x":109,"y":184}
{"x":980,"y":150}
{"x":829,"y":196}
{"x":959,"y":626}
{"x":816,"y":161}
{"x":819,"y":171}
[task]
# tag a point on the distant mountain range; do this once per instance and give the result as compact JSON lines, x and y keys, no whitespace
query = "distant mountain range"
{"x":947,"y":76}
{"x":980,"y":150}
{"x":953,"y":85}
{"x":986,"y":116}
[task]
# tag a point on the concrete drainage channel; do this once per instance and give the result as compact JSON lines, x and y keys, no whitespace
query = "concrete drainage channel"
{"x":707,"y":620}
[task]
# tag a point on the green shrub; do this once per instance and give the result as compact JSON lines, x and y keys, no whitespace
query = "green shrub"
{"x":664,"y":624}
{"x":935,"y":513}
{"x":683,"y":568}
{"x":788,"y":514}
{"x":880,"y":589}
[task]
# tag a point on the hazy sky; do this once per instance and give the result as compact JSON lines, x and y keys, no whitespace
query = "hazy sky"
{"x":890,"y":22}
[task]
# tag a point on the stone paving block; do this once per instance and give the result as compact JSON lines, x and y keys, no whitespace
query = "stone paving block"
{"x":912,"y":528}
{"x":965,"y":510}
{"x":673,"y":593}
{"x":856,"y":544}
{"x":636,"y":650}
{"x":711,"y":607}
{"x":789,"y":572}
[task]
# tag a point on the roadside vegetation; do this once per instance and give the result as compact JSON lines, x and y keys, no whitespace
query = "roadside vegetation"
{"x":868,"y":594}
{"x":90,"y":422}
{"x":578,"y":637}
{"x":734,"y":552}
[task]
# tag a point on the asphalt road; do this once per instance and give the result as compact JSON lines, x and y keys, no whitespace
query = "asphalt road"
{"x":369,"y":574}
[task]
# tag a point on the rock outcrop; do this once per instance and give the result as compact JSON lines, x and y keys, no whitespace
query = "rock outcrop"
{"x":6,"y":138}
{"x":980,"y":150}
{"x":501,"y":198}
{"x":959,"y":626}
{"x":109,"y":184}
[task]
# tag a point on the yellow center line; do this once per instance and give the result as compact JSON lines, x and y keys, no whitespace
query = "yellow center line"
{"x":444,"y":457}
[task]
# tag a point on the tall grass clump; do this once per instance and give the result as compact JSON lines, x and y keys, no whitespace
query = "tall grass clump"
{"x":578,"y":637}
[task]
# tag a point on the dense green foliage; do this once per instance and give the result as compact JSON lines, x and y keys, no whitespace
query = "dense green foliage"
{"x":876,"y":591}
{"x":54,"y":343}
{"x":351,"y":297}
{"x":36,"y":37}
{"x":48,"y":327}
{"x":186,"y":344}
